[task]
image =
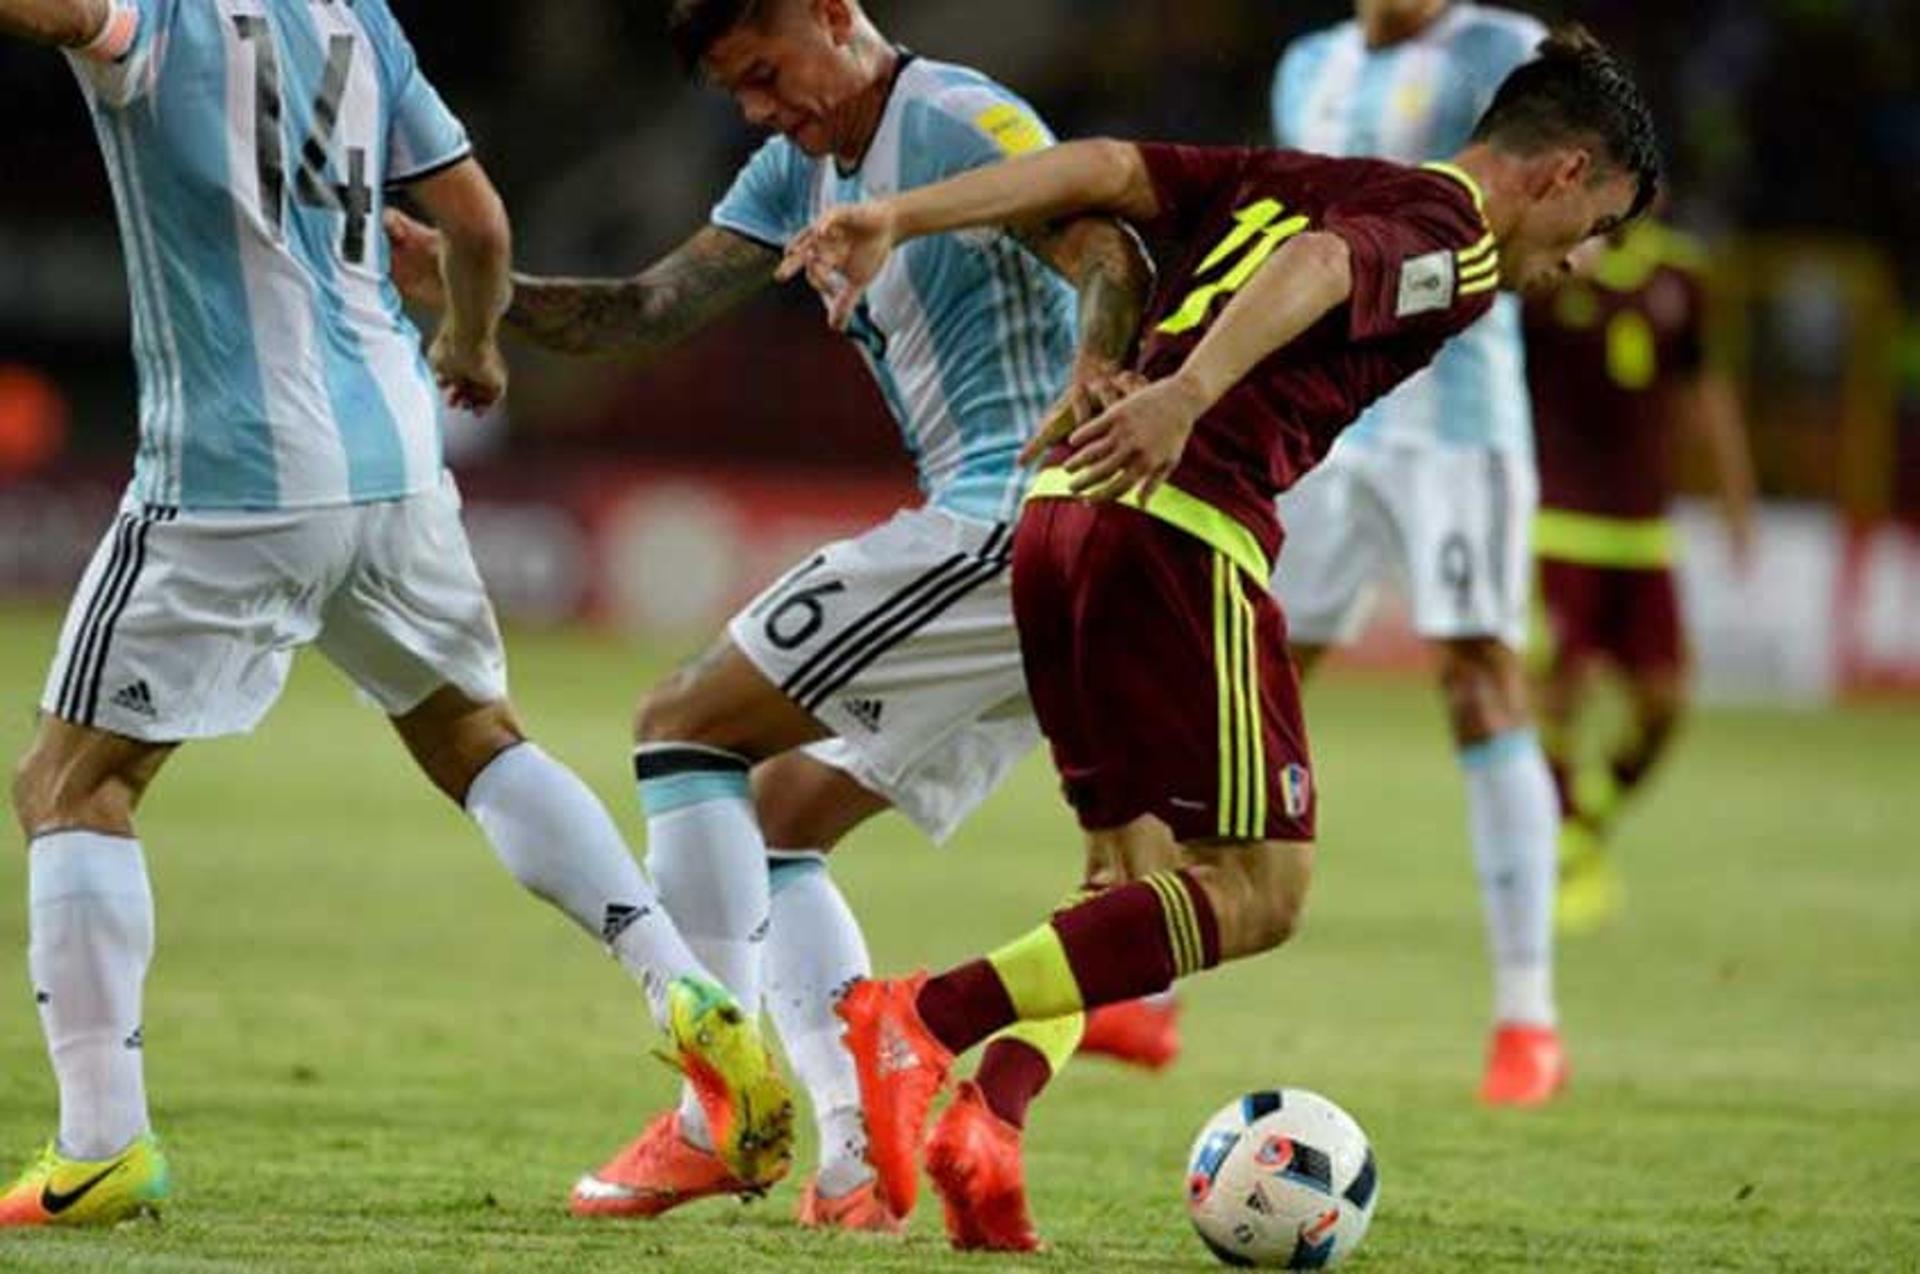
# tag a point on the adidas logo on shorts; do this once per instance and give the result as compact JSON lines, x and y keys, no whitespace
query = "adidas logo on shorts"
{"x":137,"y":699}
{"x":865,"y":711}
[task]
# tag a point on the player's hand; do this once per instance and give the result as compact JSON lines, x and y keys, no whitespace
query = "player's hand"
{"x":1096,"y":385}
{"x":472,"y":373}
{"x":416,"y":251}
{"x":1135,"y":444}
{"x":840,"y":253}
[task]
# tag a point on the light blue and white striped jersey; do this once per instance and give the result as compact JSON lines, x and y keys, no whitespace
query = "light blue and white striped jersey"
{"x":248,"y":142}
{"x":969,"y":337}
{"x":1411,"y":102}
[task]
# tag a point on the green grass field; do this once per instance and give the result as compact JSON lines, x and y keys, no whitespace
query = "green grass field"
{"x":369,"y":1051}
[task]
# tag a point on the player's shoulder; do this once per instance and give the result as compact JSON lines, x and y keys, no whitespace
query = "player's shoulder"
{"x":1303,"y":52}
{"x":954,"y":118}
{"x":973,"y":102}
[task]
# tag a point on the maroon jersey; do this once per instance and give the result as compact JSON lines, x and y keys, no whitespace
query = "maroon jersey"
{"x":1424,"y":268}
{"x":1605,"y":356}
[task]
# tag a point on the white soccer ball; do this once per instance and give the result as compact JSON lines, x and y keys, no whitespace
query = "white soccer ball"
{"x":1284,"y":1179}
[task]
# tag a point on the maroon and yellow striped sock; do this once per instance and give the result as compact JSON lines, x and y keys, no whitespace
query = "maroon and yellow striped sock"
{"x":1130,"y":941}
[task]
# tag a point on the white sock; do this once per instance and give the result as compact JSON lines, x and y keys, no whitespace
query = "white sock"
{"x":91,"y":917}
{"x":815,"y":950}
{"x":559,"y":841}
{"x":1514,"y":817}
{"x":705,"y":852}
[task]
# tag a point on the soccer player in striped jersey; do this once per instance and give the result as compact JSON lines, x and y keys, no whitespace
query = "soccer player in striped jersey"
{"x":1435,"y":485}
{"x":1618,"y":363}
{"x":289,"y":491}
{"x":884,"y":670}
{"x":1298,"y":288}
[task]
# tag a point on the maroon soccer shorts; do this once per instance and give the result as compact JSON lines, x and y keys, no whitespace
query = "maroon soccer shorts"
{"x":1159,"y":671}
{"x":1630,"y":616}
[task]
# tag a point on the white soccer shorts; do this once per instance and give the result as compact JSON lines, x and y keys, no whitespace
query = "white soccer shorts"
{"x":185,"y":624}
{"x":1453,"y":525}
{"x":901,"y":641}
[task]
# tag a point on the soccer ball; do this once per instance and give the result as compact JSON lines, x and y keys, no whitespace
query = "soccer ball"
{"x":1282,"y":1178}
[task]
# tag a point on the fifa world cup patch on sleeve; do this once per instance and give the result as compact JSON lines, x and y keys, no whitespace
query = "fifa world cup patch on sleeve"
{"x":1426,"y":284}
{"x":1015,"y":131}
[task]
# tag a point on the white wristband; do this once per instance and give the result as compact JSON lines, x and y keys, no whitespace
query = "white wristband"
{"x":116,"y":37}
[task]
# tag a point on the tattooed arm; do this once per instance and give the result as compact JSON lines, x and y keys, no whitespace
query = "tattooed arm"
{"x":1104,"y":261}
{"x":673,"y":298}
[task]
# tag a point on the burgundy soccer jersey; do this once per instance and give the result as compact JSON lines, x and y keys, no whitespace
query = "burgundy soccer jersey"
{"x":1604,"y":358}
{"x":1424,"y":268}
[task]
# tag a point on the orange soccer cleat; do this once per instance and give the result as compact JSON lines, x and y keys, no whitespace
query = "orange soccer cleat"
{"x":658,"y":1171}
{"x":973,"y":1157}
{"x":1526,"y":1066}
{"x":902,"y":1068}
{"x":1139,"y":1032}
{"x":861,"y":1209}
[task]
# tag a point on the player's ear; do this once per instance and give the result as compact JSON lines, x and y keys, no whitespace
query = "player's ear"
{"x":1576,"y":168}
{"x":837,"y":17}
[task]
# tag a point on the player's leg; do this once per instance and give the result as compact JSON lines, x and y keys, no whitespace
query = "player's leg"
{"x":815,"y":950}
{"x":1191,"y":722}
{"x":1224,"y":903}
{"x":412,"y":626}
{"x":90,"y":926}
{"x":1463,"y":514}
{"x":181,"y":628}
{"x":1570,"y":652}
{"x":1651,"y":653}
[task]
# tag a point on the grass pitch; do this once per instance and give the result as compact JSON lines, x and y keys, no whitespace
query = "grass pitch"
{"x":369,"y":1051}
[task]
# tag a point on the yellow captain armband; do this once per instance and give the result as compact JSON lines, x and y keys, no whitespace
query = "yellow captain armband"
{"x":1014,"y":131}
{"x":116,"y":37}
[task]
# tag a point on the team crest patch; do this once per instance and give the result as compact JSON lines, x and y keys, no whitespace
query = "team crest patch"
{"x":1296,"y":790}
{"x":1426,"y":284}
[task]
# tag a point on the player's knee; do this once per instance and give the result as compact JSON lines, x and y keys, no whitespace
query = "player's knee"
{"x":1259,"y":896}
{"x":49,"y":791}
{"x":1484,"y":688}
{"x":672,"y":713}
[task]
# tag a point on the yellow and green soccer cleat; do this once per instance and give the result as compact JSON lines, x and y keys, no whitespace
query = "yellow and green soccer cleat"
{"x":748,"y":1105}
{"x":56,"y":1190}
{"x":1591,"y":892}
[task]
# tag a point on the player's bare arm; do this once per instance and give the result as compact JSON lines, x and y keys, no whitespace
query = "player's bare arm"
{"x":690,"y":287}
{"x":72,"y":24}
{"x":1113,"y":276}
{"x":1138,"y":443}
{"x":474,"y":264}
{"x":843,"y":251}
{"x":1713,"y":405}
{"x":684,"y":291}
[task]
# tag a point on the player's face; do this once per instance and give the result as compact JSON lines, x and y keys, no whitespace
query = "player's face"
{"x":790,"y":73}
{"x":1570,"y":206}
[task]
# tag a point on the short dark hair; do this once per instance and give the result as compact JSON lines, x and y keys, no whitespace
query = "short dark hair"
{"x":695,"y":26}
{"x":1577,"y":88}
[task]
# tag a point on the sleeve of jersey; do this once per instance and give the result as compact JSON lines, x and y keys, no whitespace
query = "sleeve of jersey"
{"x":768,"y":200}
{"x":1411,"y":269}
{"x":122,"y":64}
{"x":425,"y":137}
{"x":1187,"y":181}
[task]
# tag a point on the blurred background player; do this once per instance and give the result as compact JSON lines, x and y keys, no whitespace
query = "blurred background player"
{"x":289,"y":491}
{"x":900,"y":642}
{"x":1617,"y":362}
{"x":1306,"y":287}
{"x":1435,"y":485}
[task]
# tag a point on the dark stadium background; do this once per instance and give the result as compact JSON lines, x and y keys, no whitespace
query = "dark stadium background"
{"x":1793,"y":128}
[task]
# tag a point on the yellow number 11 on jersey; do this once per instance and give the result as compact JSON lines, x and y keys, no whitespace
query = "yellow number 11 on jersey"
{"x":1256,"y":236}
